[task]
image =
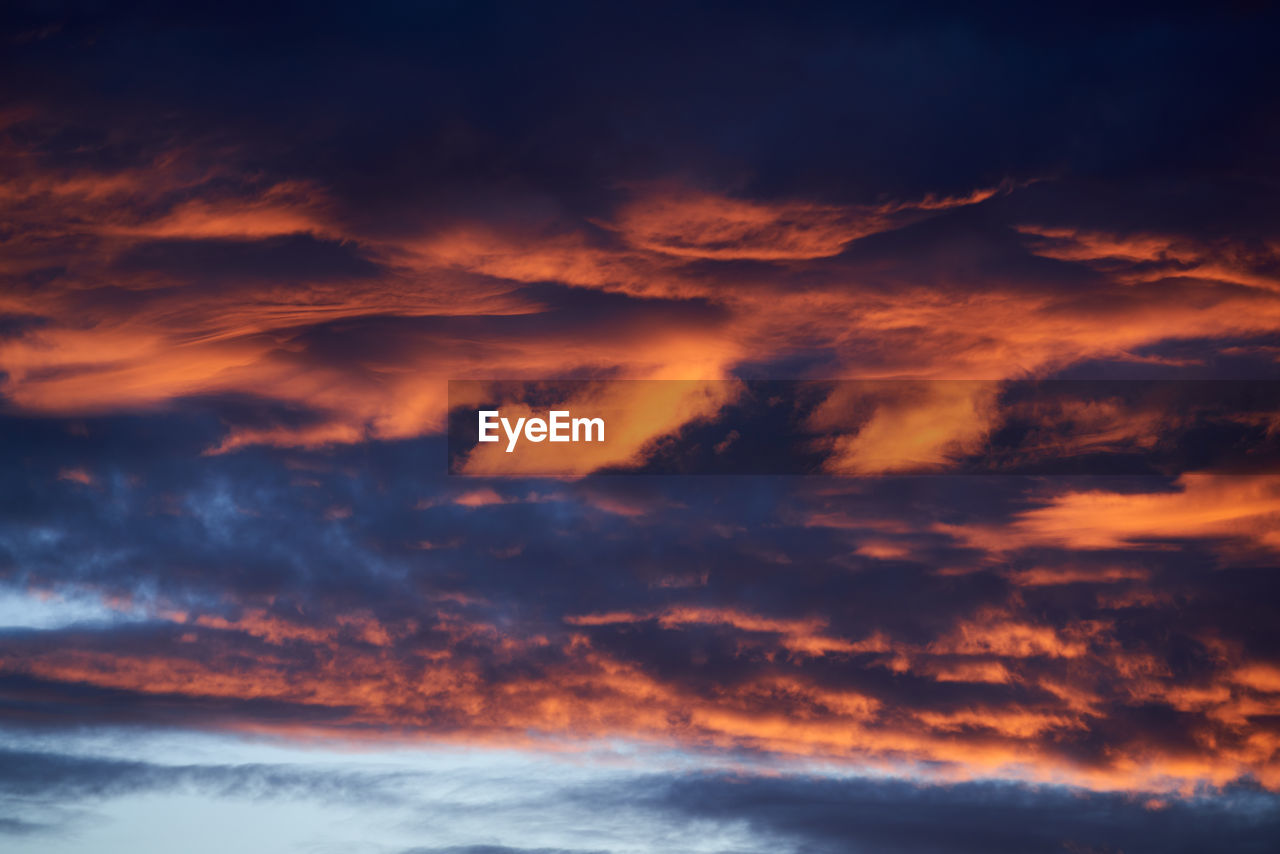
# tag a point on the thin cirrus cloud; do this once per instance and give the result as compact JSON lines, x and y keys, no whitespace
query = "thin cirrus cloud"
{"x":1229,"y":508}
{"x":703,"y":225}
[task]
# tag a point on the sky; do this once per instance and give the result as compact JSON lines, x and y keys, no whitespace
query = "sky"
{"x":934,"y":525}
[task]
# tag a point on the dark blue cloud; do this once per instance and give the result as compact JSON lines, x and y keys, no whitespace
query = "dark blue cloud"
{"x":814,"y":815}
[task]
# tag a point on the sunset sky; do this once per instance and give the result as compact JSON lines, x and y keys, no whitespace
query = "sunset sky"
{"x":914,"y":609}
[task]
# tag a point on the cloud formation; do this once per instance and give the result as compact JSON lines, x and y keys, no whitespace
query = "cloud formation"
{"x":239,"y":264}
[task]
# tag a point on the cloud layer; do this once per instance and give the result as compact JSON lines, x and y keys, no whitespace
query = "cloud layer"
{"x":243,"y":250}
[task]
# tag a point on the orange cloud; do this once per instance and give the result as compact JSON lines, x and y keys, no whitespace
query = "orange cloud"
{"x":1216,"y":506}
{"x":76,"y":475}
{"x":905,"y":427}
{"x":1052,"y":576}
{"x":94,"y":350}
{"x":635,"y":414}
{"x":703,"y":225}
{"x":1243,"y":510}
{"x":355,"y":675}
{"x":1162,"y":256}
{"x":803,"y":637}
{"x":708,"y":226}
{"x":995,"y":633}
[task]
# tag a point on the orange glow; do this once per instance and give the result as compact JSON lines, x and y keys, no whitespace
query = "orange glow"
{"x":357,"y":672}
{"x":1239,"y":507}
{"x":634,"y":413}
{"x":98,"y":354}
{"x":916,"y":427}
{"x":702,"y":225}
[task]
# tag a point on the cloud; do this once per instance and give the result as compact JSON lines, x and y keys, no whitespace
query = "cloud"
{"x":545,"y":615}
{"x":232,"y":293}
{"x":906,"y":427}
{"x":703,"y":225}
{"x":785,"y":812}
{"x":859,"y":814}
{"x":71,"y":777}
{"x":1228,"y":507}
